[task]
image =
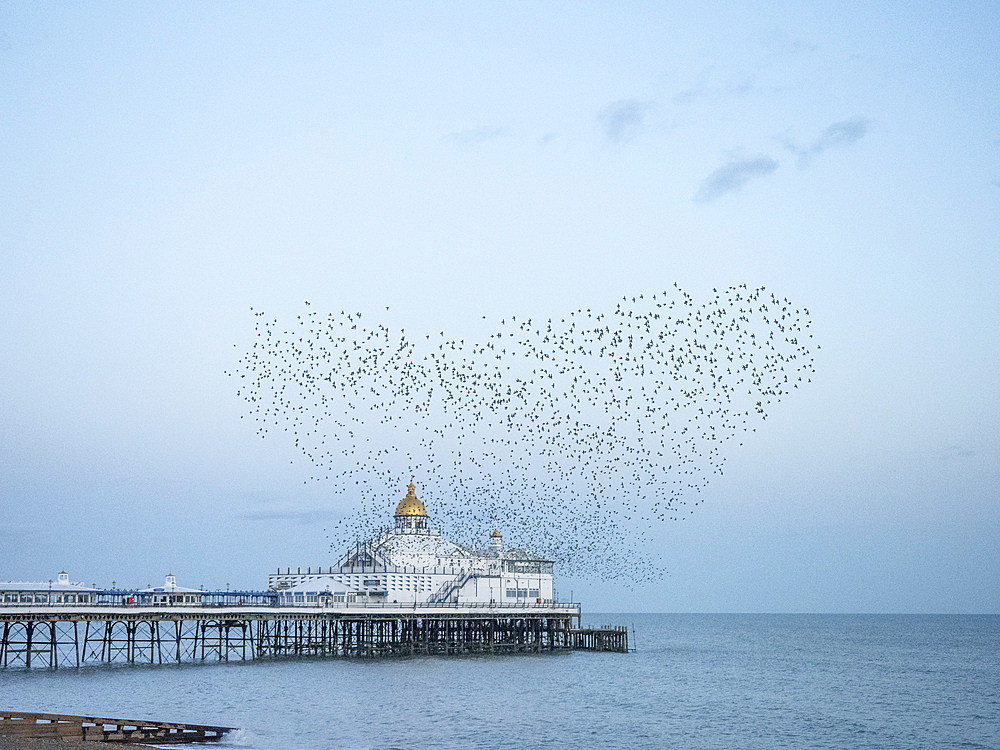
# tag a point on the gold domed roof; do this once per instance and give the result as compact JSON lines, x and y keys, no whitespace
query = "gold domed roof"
{"x":495,"y":534}
{"x":410,"y":505}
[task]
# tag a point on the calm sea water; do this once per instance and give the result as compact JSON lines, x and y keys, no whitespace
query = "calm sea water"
{"x":696,"y":681}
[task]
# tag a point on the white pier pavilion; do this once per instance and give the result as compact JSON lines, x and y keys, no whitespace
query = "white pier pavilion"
{"x":170,"y":593}
{"x":413,"y":563}
{"x":60,"y":591}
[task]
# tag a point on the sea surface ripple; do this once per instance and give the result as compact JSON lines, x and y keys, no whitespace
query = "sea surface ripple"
{"x":696,"y":681}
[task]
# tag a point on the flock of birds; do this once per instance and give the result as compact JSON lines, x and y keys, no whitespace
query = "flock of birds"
{"x":574,"y":436}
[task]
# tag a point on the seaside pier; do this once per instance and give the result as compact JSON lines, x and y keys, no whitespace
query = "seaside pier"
{"x":54,"y":636}
{"x":407,"y":591}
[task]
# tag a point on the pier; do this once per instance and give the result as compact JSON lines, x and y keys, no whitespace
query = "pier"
{"x":608,"y":638}
{"x":54,"y":636}
{"x":407,"y":591}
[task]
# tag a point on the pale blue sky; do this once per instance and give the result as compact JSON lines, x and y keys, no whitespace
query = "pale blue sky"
{"x":165,"y":168}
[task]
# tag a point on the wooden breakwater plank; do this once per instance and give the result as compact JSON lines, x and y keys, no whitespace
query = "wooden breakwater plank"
{"x":97,"y":729}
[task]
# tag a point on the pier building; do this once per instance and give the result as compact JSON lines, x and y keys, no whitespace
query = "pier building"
{"x":412,"y":562}
{"x":170,"y":593}
{"x":59,"y":591}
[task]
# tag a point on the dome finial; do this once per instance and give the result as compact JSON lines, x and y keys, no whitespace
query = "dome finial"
{"x":411,"y":505}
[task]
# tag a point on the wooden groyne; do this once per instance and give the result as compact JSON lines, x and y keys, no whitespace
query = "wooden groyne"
{"x":55,"y":637}
{"x":95,"y":729}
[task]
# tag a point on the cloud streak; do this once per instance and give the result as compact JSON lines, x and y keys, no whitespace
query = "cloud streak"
{"x":621,"y":120}
{"x":731,"y":177}
{"x":956,"y":451}
{"x":476,"y":136}
{"x":292,"y":516}
{"x":711,"y":94}
{"x":842,"y":133}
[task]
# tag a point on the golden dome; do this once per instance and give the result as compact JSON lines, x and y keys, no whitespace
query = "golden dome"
{"x":410,"y":505}
{"x":495,"y":534}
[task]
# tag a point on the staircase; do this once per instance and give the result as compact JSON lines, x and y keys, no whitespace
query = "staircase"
{"x":450,"y":587}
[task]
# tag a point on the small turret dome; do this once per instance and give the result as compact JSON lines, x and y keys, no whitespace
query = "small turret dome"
{"x":496,"y":542}
{"x":411,"y":505}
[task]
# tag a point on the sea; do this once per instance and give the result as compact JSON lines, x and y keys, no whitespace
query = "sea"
{"x":693,"y":681}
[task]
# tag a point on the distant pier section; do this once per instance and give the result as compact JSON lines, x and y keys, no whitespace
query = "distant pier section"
{"x":407,"y":591}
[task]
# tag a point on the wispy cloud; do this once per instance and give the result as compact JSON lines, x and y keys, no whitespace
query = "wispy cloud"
{"x":546,"y":139}
{"x":621,"y":120}
{"x":479,"y":135}
{"x":778,"y":46}
{"x":731,"y":177}
{"x":738,"y":90}
{"x":842,"y":133}
{"x":956,"y":451}
{"x":290,"y":515}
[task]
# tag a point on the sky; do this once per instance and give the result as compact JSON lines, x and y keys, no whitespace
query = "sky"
{"x":167,"y":168}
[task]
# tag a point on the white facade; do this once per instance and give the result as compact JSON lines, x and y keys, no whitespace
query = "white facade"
{"x":413,"y":563}
{"x":170,"y":593}
{"x":60,"y":591}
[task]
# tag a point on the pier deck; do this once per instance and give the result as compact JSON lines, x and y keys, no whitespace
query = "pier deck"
{"x":56,"y":636}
